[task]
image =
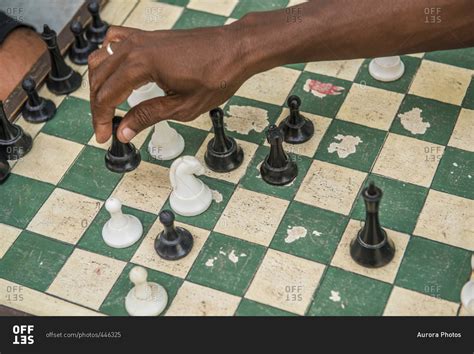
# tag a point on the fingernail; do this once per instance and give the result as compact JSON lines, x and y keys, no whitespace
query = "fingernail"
{"x":128,"y":133}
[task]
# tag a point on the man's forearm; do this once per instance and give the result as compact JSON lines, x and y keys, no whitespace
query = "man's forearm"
{"x":347,"y":29}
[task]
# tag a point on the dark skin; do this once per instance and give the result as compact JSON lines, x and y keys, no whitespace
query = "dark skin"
{"x":191,"y":65}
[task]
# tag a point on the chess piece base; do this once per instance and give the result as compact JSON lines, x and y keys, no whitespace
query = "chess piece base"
{"x":63,"y":86}
{"x":467,"y":297}
{"x":278,"y":176}
{"x":386,"y":69}
{"x":168,"y":152}
{"x":123,"y":164}
{"x":147,"y":307}
{"x":297,"y":134}
{"x":372,"y":256}
{"x":79,"y":56}
{"x":4,"y":170}
{"x":192,"y":206}
{"x":39,"y":114}
{"x":124,"y":237}
{"x":17,"y":147}
{"x":224,"y":162}
{"x":176,"y":249}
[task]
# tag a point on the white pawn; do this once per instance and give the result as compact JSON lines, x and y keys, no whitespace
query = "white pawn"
{"x":467,"y":293}
{"x":165,"y":143}
{"x":146,"y":92}
{"x":145,"y":298}
{"x":122,"y":230}
{"x":190,"y":196}
{"x":386,"y":68}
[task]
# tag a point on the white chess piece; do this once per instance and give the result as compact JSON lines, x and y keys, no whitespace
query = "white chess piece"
{"x":145,"y":298}
{"x":190,"y":196}
{"x":467,"y":293}
{"x":122,"y":230}
{"x":165,"y":143}
{"x":386,"y":68}
{"x":146,"y":92}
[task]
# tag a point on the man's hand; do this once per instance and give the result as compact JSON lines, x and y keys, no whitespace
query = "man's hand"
{"x":198,"y":69}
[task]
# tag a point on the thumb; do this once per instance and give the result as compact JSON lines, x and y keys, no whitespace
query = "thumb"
{"x":147,"y":114}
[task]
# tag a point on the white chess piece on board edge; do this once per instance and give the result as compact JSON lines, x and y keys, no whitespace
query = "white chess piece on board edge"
{"x":121,"y":230}
{"x":190,"y":195}
{"x":145,"y":298}
{"x":386,"y":68}
{"x":165,"y":143}
{"x":467,"y":293}
{"x":146,"y":92}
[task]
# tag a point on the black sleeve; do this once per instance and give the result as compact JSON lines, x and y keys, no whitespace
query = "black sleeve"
{"x":8,"y":24}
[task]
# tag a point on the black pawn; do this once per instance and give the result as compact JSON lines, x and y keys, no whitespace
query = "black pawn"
{"x":4,"y":170}
{"x":173,"y":242}
{"x":277,"y":168}
{"x":80,"y":48}
{"x":296,"y":128}
{"x":223,"y":153}
{"x":97,"y":29}
{"x":371,"y":247}
{"x":14,"y":142}
{"x":121,"y":157}
{"x":37,"y":109}
{"x":62,"y":79}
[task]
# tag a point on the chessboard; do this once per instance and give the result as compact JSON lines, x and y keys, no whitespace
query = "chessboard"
{"x":259,"y":249}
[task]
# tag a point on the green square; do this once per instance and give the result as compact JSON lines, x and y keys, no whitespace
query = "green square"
{"x":440,"y":116}
{"x":227,"y":264}
{"x":89,"y":176}
{"x":297,"y":66}
{"x":209,"y":218}
{"x":249,"y":308}
{"x":114,"y":303}
{"x":252,"y":179}
{"x":319,"y":232}
{"x":344,"y":293}
{"x":124,"y":106}
{"x":73,"y":121}
{"x":193,"y":139}
{"x":401,"y":85}
{"x":463,"y":58}
{"x":21,"y":198}
{"x":455,"y":173}
{"x":195,"y":19}
{"x":434,"y":269}
{"x":469,"y":98}
{"x":327,"y":106}
{"x":92,"y":239}
{"x":175,"y":2}
{"x":400,"y":206}
{"x":246,"y":6}
{"x":34,"y":260}
{"x":257,"y":137}
{"x":366,"y":150}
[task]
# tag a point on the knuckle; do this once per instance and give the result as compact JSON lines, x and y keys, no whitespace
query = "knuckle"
{"x":101,"y":97}
{"x":143,"y":115}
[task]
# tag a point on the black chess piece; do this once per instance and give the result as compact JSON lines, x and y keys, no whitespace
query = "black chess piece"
{"x":277,"y":168}
{"x":62,"y":79}
{"x":371,"y":247}
{"x":173,"y":242}
{"x":4,"y":170}
{"x":223,"y":153}
{"x":296,"y":128}
{"x":121,"y":157}
{"x":36,"y":109}
{"x":97,"y":29}
{"x":80,"y":48}
{"x":14,"y":142}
